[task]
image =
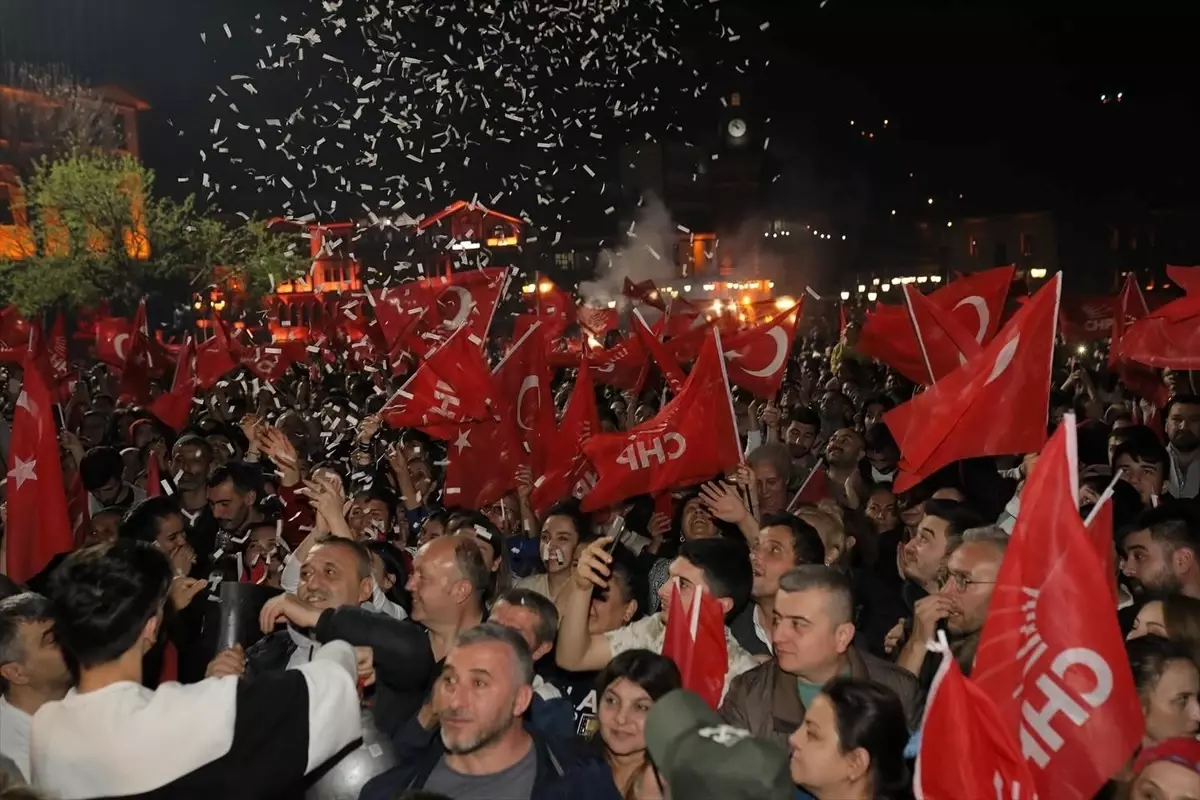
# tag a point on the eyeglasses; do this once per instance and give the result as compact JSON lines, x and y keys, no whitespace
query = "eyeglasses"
{"x":962,"y":581}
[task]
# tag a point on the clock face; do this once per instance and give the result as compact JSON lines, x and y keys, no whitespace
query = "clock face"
{"x":737,"y":128}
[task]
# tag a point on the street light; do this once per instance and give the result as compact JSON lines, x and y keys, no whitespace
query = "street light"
{"x":871,"y":297}
{"x":1037,"y":273}
{"x":862,"y":287}
{"x":935,"y":278}
{"x":845,"y":295}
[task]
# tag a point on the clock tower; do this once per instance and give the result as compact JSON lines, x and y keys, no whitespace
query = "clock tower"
{"x":735,"y":126}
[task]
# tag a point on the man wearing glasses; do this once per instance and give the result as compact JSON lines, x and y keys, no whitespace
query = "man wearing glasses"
{"x":960,"y":604}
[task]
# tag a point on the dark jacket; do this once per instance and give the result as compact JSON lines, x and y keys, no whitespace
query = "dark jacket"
{"x":564,"y":770}
{"x":766,"y":700}
{"x":402,"y":657}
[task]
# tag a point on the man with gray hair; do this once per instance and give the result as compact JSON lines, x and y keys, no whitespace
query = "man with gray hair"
{"x":481,"y":748}
{"x":32,"y":672}
{"x":961,"y":603}
{"x":812,"y":630}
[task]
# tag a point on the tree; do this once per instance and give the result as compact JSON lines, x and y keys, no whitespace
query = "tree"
{"x":96,"y":230}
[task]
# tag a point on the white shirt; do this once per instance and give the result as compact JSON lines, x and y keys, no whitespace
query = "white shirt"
{"x":14,"y":736}
{"x":762,"y":633}
{"x":649,"y":633}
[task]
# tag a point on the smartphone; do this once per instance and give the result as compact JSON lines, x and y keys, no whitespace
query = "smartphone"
{"x":617,"y":531}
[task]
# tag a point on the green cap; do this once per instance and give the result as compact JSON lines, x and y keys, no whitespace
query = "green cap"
{"x":703,"y":758}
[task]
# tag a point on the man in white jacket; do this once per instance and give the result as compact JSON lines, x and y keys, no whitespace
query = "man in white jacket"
{"x":223,"y":737}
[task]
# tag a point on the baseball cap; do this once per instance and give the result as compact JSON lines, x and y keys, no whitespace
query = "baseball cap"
{"x":1181,"y":750}
{"x":703,"y":758}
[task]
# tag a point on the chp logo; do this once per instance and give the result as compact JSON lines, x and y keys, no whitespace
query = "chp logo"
{"x":642,"y":453}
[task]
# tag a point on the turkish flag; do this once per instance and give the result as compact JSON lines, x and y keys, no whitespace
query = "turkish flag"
{"x":757,"y":358}
{"x":995,"y":404}
{"x":976,"y":301}
{"x":175,"y":407}
{"x":418,"y":315}
{"x":568,"y":472}
{"x":1051,"y":655}
{"x":1130,"y":306}
{"x":217,"y":357}
{"x":1168,"y":337}
{"x":624,"y":365}
{"x":695,"y":641}
{"x":672,"y":372}
{"x":966,"y":750}
{"x":644,"y":292}
{"x":154,"y":487}
{"x":483,"y":462}
{"x":270,"y":362}
{"x":522,"y":383}
{"x":135,"y":373}
{"x":945,"y":343}
{"x":692,"y":439}
{"x":39,"y":526}
{"x":57,"y":349}
{"x":449,"y":387}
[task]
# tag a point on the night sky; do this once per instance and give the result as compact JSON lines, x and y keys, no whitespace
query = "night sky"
{"x":999,"y":102}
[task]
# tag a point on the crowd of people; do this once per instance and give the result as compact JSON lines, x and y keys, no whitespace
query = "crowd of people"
{"x":298,"y":608}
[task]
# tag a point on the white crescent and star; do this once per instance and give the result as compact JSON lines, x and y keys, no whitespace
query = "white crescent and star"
{"x":779,"y":337}
{"x":462,"y":443}
{"x":118,"y":345}
{"x":23,"y":470}
{"x":981,"y":308}
{"x":1004,"y":359}
{"x":465,"y":304}
{"x":530,"y":382}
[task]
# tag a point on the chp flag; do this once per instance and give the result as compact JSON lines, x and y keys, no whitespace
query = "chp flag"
{"x":692,"y":439}
{"x":1051,"y":655}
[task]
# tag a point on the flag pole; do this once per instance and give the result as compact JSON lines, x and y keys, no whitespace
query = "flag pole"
{"x":737,"y":442}
{"x":912,"y":318}
{"x":792,"y":505}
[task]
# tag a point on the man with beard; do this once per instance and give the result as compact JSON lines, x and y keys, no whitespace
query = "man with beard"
{"x":843,"y":454}
{"x":800,"y":436}
{"x":1182,"y":427}
{"x":481,"y":749}
{"x":191,"y":460}
{"x":1162,"y":553}
{"x":964,"y":593}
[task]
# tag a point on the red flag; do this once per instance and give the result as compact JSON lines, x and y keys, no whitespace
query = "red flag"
{"x":966,"y":751}
{"x":1187,"y":278}
{"x":995,"y":404}
{"x":57,"y":349}
{"x":570,"y":472}
{"x":270,"y":362}
{"x":39,"y":527}
{"x":685,"y":347}
{"x":419,"y":315}
{"x":1051,"y":655}
{"x":1100,"y":533}
{"x":1130,"y":306}
{"x":484,"y":456}
{"x":597,"y":322}
{"x":14,"y":329}
{"x":1169,"y":336}
{"x":692,"y":439}
{"x":450,"y":387}
{"x":216,"y":357}
{"x":976,"y":301}
{"x":77,"y":510}
{"x":174,"y":407}
{"x":814,"y":489}
{"x":154,"y":486}
{"x":842,"y":320}
{"x":522,"y":382}
{"x":672,"y":372}
{"x":757,"y":358}
{"x":695,"y":641}
{"x":681,"y":317}
{"x":945,"y":344}
{"x":624,"y":365}
{"x":644,"y":292}
{"x":135,"y":373}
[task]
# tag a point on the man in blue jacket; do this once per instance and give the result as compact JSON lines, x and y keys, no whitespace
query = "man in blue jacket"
{"x":474,"y":744}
